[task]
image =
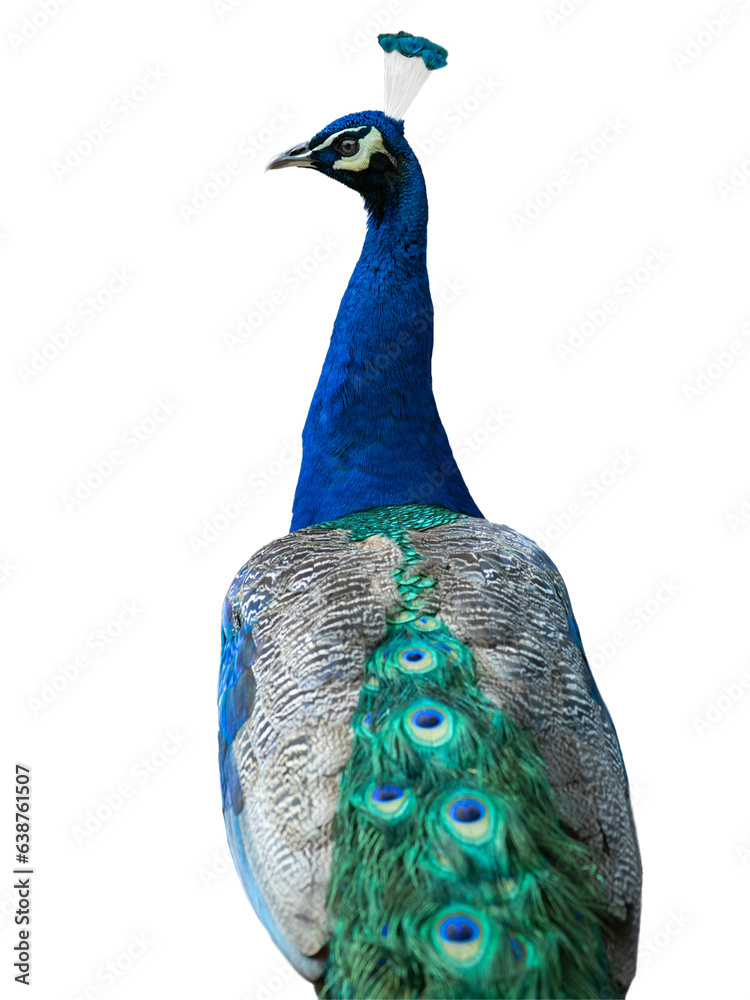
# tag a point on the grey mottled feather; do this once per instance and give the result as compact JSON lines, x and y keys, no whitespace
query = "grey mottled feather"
{"x":501,"y":595}
{"x":317,"y":604}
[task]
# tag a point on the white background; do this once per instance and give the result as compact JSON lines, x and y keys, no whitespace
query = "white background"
{"x":522,"y":93}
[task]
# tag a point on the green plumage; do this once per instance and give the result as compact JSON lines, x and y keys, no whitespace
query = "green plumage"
{"x":408,"y":869}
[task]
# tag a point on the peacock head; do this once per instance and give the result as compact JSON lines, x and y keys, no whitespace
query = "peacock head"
{"x":367,"y":151}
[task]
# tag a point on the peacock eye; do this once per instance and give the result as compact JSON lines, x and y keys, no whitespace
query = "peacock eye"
{"x":346,"y":146}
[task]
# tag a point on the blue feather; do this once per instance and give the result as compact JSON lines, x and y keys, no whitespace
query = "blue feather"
{"x":373,"y":436}
{"x":434,"y":56}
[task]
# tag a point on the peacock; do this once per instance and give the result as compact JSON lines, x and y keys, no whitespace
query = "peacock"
{"x":423,"y":790}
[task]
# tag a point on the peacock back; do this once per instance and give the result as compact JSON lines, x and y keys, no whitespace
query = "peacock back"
{"x":423,"y":790}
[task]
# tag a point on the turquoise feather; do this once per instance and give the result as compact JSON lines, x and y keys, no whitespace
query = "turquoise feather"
{"x":411,"y":46}
{"x":426,"y":834}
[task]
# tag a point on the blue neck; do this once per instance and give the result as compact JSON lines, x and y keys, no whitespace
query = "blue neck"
{"x":373,"y":436}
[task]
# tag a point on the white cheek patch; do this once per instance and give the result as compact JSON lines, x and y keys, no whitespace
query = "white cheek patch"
{"x":368,"y":145}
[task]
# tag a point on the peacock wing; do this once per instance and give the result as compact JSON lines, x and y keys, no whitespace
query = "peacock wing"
{"x":299,"y":622}
{"x":501,"y":595}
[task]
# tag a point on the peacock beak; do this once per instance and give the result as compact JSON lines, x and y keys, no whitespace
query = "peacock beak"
{"x":297,"y":156}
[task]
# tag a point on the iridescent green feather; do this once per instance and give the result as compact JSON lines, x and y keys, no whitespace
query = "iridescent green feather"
{"x":451,"y":876}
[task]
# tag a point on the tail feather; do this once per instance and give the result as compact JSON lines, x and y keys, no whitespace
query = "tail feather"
{"x":451,"y":875}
